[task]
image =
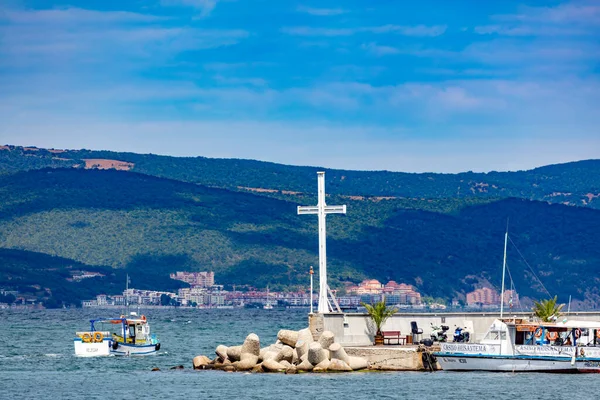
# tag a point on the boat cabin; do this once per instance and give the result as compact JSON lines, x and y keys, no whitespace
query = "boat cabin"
{"x":507,"y":335}
{"x":131,"y":330}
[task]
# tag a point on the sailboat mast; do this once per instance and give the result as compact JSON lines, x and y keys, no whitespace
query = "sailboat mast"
{"x":503,"y":273}
{"x":127,"y":295}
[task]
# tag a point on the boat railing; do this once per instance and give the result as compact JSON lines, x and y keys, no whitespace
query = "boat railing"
{"x":104,"y":333}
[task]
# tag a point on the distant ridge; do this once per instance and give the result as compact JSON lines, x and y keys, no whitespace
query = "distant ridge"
{"x":574,"y":183}
{"x":238,"y":218}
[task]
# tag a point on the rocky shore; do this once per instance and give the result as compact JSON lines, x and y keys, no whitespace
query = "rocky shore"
{"x":294,"y":351}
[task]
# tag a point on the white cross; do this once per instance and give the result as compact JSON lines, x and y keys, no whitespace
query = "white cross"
{"x":322,"y":209}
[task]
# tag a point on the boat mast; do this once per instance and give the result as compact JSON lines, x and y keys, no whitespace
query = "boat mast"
{"x":127,"y":296}
{"x":503,"y":271}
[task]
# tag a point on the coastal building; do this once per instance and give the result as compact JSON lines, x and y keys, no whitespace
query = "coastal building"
{"x":368,"y":286}
{"x":371,"y":290}
{"x":483,"y":297}
{"x":202,"y":279}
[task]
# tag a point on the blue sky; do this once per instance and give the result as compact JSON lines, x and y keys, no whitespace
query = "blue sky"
{"x":430,"y":85}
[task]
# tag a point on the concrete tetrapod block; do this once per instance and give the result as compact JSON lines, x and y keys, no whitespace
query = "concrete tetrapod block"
{"x":305,"y":335}
{"x":357,"y":363}
{"x":301,"y":347}
{"x":269,"y":349}
{"x":327,"y":338}
{"x":305,"y":366}
{"x":269,"y":355}
{"x":337,"y":351}
{"x":200,"y":361}
{"x":295,"y":358}
{"x":339,"y":366}
{"x":285,"y":364}
{"x":316,"y":353}
{"x":234,"y":353}
{"x":288,"y":337}
{"x":261,"y":354}
{"x":291,"y":370}
{"x":251,"y":344}
{"x":221,"y":352}
{"x":322,"y":366}
{"x":272,"y":366}
{"x":247,"y":362}
{"x":248,"y":356}
{"x":287,"y":354}
{"x":276,"y":347}
{"x":258,"y":368}
{"x":222,"y":365}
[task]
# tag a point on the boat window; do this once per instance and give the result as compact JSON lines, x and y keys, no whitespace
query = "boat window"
{"x":495,"y":335}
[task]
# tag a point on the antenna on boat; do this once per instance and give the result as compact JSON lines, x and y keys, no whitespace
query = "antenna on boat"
{"x":503,"y":270}
{"x":569,"y":307}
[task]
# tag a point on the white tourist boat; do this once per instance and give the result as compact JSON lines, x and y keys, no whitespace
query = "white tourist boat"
{"x":513,"y":345}
{"x":516,"y":345}
{"x":124,"y":336}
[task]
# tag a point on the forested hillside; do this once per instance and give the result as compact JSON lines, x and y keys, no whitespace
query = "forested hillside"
{"x":151,"y":226}
{"x":576,"y":183}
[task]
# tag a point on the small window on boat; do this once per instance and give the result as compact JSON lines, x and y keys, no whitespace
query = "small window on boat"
{"x":495,"y":335}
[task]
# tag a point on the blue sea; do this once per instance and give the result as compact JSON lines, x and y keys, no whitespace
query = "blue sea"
{"x":37,"y":362}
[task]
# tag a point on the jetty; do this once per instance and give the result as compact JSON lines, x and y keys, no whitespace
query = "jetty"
{"x":325,"y":345}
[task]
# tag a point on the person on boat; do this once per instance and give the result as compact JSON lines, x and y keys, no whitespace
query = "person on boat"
{"x":568,"y":341}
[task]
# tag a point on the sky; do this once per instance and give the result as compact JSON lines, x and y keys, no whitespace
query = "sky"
{"x":428,"y":85}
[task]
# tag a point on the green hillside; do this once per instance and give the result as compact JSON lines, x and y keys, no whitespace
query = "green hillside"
{"x":151,"y":226}
{"x":576,"y":183}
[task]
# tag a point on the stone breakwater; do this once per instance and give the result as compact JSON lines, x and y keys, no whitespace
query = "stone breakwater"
{"x":294,"y":351}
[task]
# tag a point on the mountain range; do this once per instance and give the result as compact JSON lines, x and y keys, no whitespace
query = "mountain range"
{"x":149,"y":215}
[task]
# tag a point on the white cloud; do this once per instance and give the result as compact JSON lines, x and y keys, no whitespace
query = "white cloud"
{"x":417,"y":30}
{"x":235,"y":81}
{"x":204,"y":6}
{"x":322,"y":11}
{"x":73,"y":15}
{"x":378,"y":50}
{"x":84,"y":37}
{"x":581,"y":18}
{"x":584,"y":12}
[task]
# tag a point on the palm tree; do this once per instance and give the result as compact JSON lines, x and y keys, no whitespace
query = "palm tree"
{"x":379,"y":313}
{"x":546,"y":310}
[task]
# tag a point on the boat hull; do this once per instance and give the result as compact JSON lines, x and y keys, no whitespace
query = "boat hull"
{"x":105,"y":348}
{"x":99,"y":349}
{"x":449,"y":362}
{"x":124,"y":349}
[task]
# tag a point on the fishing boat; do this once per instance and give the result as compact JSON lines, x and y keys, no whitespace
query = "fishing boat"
{"x":124,"y":336}
{"x":128,"y":335}
{"x":519,"y":345}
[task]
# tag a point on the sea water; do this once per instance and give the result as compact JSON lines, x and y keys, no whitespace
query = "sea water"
{"x":37,"y":361}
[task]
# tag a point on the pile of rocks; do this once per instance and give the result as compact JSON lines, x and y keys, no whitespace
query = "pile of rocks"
{"x":294,"y":351}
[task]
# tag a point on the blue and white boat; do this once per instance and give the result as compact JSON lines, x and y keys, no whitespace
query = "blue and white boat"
{"x":513,"y":345}
{"x":124,"y":336}
{"x":517,"y":345}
